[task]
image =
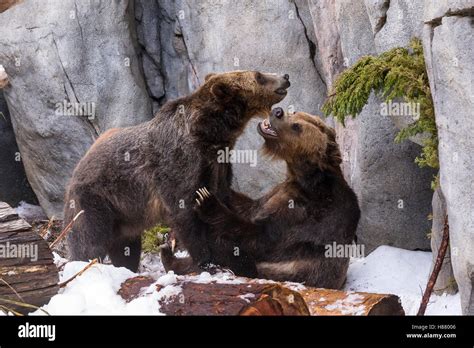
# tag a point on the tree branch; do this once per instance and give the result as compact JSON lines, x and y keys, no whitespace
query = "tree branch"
{"x":437,"y":267}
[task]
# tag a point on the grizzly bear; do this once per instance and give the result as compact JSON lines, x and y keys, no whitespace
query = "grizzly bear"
{"x":286,"y":231}
{"x":134,"y":177}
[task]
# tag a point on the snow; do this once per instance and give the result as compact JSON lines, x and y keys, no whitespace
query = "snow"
{"x":401,"y":272}
{"x":351,"y":305}
{"x":167,"y":279}
{"x":385,"y":270}
{"x":30,"y":212}
{"x":247,"y":297}
{"x":95,"y":292}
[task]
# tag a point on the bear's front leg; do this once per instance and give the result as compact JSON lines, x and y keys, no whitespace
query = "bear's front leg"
{"x":209,"y":208}
{"x":222,"y":219}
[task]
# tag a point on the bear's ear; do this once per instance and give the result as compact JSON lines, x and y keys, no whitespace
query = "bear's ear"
{"x":208,"y":76}
{"x":221,"y":91}
{"x":333,"y":154}
{"x":331,"y":132}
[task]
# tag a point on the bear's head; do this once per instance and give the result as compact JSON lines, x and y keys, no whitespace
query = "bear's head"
{"x":302,"y":140}
{"x":255,"y":91}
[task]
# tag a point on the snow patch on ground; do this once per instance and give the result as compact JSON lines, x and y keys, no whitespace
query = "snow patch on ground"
{"x":95,"y":292}
{"x":30,"y":212}
{"x":385,"y":270}
{"x":389,"y":270}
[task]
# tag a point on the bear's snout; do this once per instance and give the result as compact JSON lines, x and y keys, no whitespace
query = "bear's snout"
{"x":283,"y":83}
{"x":278,"y":112}
{"x":286,"y":81}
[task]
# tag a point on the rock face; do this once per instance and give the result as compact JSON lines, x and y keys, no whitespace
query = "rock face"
{"x":79,"y":68}
{"x":81,"y":53}
{"x":14,"y":186}
{"x":323,"y":14}
{"x":388,"y":183}
{"x":403,"y":20}
{"x":89,"y":57}
{"x":197,"y":38}
{"x":448,"y":40}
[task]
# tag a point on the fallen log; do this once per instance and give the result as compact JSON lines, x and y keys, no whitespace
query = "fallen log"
{"x":235,"y":299}
{"x":335,"y":302}
{"x":252,"y":297}
{"x":27,"y":271}
{"x":3,"y":77}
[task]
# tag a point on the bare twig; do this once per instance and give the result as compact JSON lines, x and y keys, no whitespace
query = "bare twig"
{"x":61,"y":266}
{"x":7,"y":309}
{"x":22,"y":304}
{"x":12,"y":289}
{"x":437,"y":267}
{"x":45,"y":228}
{"x":65,"y":230}
{"x":63,"y":284}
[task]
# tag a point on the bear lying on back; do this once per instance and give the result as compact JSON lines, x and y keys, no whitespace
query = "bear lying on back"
{"x":135,"y":177}
{"x":286,"y":231}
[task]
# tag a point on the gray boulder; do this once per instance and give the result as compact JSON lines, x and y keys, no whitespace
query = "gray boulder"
{"x":14,"y":186}
{"x":448,"y":40}
{"x":394,"y":24}
{"x":394,"y":194}
{"x":377,"y":11}
{"x":403,"y":21}
{"x":74,"y":52}
{"x":323,"y":14}
{"x":197,"y":38}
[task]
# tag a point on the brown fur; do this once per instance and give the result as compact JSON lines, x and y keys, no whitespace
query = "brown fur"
{"x":286,"y":231}
{"x":103,"y":137}
{"x":135,"y":177}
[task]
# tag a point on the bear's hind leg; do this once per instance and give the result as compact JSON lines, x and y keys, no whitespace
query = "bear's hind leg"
{"x":180,"y":266}
{"x":90,"y":236}
{"x":126,"y":251}
{"x":191,"y":233}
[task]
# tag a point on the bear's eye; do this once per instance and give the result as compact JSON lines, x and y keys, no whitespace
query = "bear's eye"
{"x":260,"y":78}
{"x":296,"y":127}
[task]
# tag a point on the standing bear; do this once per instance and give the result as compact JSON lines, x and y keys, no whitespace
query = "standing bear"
{"x":287,"y":231}
{"x":134,"y":177}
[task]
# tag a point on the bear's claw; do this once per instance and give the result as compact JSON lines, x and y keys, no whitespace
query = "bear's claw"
{"x":202,"y":193}
{"x":169,"y":242}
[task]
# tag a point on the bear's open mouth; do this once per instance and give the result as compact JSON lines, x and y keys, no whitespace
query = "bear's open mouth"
{"x":281,"y":91}
{"x":265,"y":128}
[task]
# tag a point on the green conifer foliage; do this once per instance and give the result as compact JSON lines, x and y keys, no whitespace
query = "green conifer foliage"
{"x":397,"y":73}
